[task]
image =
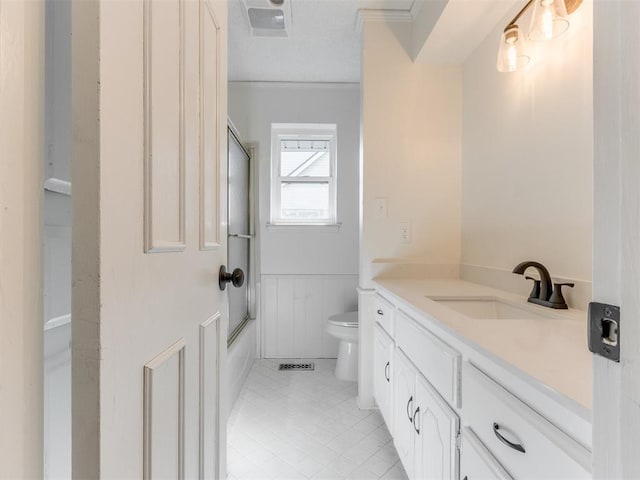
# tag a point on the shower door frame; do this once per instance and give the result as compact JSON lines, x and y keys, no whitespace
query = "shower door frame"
{"x":250,"y":274}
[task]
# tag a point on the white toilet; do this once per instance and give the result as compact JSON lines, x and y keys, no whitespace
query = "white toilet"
{"x":344,"y":327}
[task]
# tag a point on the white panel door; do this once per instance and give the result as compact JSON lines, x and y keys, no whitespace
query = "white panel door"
{"x":383,"y":374}
{"x":436,"y":426}
{"x":149,"y":237}
{"x":22,"y":46}
{"x":404,"y":382}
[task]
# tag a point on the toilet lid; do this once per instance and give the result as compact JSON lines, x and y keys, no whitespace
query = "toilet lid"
{"x":349,"y":319}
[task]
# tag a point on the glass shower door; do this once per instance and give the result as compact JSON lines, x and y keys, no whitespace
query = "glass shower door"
{"x":240,"y":232}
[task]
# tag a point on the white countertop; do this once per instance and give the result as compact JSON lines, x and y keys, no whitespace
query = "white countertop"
{"x":551,"y":350}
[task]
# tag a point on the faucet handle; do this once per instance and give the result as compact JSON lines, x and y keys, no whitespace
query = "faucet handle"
{"x":557,"y":299}
{"x":535,"y":292}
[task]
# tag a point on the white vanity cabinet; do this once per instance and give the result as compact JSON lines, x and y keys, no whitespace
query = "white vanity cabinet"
{"x":383,"y":373}
{"x":425,"y":429}
{"x":453,"y":420}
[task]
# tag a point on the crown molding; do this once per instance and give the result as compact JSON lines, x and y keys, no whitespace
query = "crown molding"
{"x":416,"y":7}
{"x":388,"y":16}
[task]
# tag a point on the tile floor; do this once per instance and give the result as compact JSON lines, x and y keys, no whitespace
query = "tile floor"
{"x":306,"y":425}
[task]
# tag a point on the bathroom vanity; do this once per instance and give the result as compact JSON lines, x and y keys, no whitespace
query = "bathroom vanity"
{"x":476,"y":383}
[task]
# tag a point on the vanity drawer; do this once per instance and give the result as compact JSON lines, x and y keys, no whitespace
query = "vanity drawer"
{"x":506,"y":425}
{"x":436,"y":360}
{"x":476,"y":461}
{"x":384,"y":312}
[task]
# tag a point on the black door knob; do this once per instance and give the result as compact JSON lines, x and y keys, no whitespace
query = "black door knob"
{"x":236,"y":278}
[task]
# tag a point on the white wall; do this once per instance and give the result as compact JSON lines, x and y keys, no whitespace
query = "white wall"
{"x":57,"y":128}
{"x":57,"y":243}
{"x":253,"y":107}
{"x":299,"y":251}
{"x":411,"y":134}
{"x":57,"y":335}
{"x":58,"y":90}
{"x":527,"y":155}
{"x":57,"y":255}
{"x":411,"y":129}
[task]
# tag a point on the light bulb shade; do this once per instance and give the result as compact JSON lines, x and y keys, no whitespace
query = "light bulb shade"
{"x":512,"y":54}
{"x":549,"y":19}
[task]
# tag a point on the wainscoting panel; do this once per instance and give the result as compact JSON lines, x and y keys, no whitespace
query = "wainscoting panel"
{"x":164,"y":126}
{"x":295,"y":309}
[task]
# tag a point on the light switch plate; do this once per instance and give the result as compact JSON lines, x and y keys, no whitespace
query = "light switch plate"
{"x":380,"y":206}
{"x":604,"y":330}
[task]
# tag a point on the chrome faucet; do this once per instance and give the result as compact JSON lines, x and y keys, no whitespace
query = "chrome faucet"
{"x":543,"y":293}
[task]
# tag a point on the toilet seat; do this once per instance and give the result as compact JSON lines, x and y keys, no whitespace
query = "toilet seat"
{"x":349,"y":319}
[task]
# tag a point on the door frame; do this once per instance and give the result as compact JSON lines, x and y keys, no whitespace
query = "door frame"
{"x":22,"y":74}
{"x":616,"y":233}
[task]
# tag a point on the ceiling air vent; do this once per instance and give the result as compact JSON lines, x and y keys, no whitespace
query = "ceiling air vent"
{"x":268,"y":18}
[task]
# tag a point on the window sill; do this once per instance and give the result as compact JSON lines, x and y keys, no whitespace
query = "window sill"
{"x":304,"y":227}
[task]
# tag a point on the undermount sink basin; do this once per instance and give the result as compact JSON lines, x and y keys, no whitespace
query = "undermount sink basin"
{"x":491,"y":308}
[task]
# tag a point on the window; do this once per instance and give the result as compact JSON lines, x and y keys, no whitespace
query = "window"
{"x":303,"y":162}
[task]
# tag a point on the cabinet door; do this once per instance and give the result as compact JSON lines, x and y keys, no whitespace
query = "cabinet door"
{"x":476,"y":462}
{"x":404,"y":381}
{"x":382,"y":380}
{"x":436,"y":427}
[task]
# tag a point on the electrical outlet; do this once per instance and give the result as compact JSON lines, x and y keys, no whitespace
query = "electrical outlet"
{"x":405,"y":232}
{"x":380,"y":206}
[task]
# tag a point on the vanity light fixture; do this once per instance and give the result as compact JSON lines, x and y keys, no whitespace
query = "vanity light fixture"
{"x":512,"y":54}
{"x":549,"y":20}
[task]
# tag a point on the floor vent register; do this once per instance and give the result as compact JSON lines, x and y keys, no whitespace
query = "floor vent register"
{"x":297,"y":366}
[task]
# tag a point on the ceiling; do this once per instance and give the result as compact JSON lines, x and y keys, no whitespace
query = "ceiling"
{"x":322,"y":46}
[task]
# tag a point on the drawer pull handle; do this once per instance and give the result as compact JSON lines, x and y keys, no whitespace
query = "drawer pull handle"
{"x":415,"y":421}
{"x":515,"y":446}
{"x":386,"y":372}
{"x":409,"y":409}
{"x":380,"y":312}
